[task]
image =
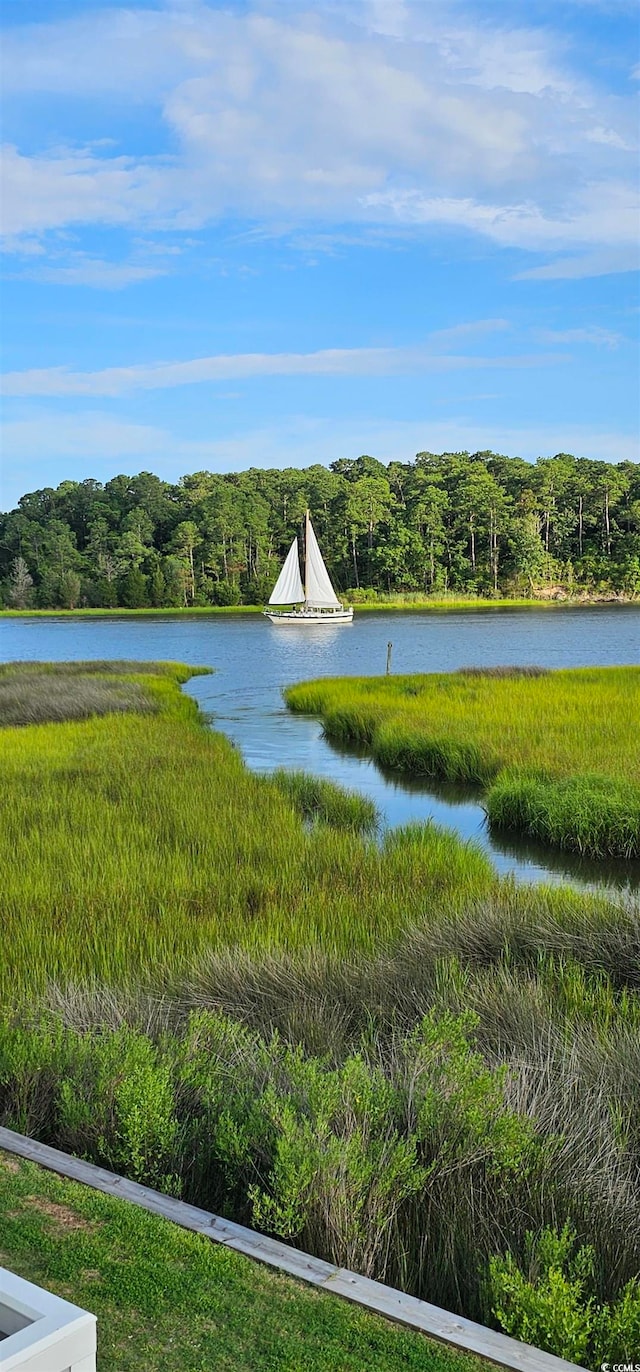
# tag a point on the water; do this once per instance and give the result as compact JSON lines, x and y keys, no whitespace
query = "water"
{"x":254,"y":660}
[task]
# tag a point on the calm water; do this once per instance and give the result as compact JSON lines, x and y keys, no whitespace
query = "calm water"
{"x":254,"y":660}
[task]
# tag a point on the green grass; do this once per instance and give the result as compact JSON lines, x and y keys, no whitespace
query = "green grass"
{"x":140,"y":840}
{"x":315,"y":798}
{"x":415,"y":601}
{"x":591,"y":814}
{"x":103,"y":667}
{"x":558,"y":753}
{"x":98,"y":611}
{"x":171,"y":1301}
{"x":381,"y":602}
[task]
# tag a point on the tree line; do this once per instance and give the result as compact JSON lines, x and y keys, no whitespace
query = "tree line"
{"x":462,"y":522}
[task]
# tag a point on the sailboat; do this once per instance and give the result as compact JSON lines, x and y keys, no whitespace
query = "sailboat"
{"x":315,"y":602}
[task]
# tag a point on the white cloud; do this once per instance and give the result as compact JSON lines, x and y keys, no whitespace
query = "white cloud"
{"x":602,"y":338}
{"x":577,"y":268}
{"x":116,"y":381}
{"x":609,"y":138}
{"x":470,"y":328}
{"x":603,"y":212}
{"x":74,"y":186}
{"x":96,"y":272}
{"x":144,"y":52}
{"x":360,"y":116}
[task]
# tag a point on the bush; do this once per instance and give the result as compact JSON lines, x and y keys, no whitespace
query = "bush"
{"x":226,"y":593}
{"x":363,"y":1163}
{"x":551,"y":1303}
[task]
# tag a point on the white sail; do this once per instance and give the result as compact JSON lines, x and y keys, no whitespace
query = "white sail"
{"x":288,"y":589}
{"x":319,"y":591}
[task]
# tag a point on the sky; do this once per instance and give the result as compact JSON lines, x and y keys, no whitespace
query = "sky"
{"x":279,"y":233}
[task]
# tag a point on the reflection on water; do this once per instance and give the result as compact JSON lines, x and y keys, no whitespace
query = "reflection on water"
{"x":254,"y":660}
{"x":460,"y":806}
{"x":581,"y":871}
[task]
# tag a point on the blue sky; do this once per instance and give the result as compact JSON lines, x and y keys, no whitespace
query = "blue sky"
{"x":283,"y":233}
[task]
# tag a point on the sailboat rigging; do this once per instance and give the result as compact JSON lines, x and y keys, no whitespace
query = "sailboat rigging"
{"x":315,"y":601}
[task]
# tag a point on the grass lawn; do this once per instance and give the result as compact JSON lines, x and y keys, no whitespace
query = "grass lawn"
{"x":168,"y":1299}
{"x":557,"y":752}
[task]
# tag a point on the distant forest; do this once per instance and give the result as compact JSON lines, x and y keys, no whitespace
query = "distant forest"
{"x":444,"y":523}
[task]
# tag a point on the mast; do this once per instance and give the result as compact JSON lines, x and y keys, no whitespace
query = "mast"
{"x":306,"y":552}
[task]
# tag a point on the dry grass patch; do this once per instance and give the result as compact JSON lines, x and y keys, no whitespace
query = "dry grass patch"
{"x":63,"y":1217}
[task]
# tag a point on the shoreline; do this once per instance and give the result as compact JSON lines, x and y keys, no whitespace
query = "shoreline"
{"x":366,"y":607}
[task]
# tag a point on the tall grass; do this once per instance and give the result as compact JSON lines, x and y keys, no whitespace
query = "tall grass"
{"x":135,"y":840}
{"x":553,"y":995}
{"x":55,"y":698}
{"x":48,"y":692}
{"x":585,"y":814}
{"x":557,"y":752}
{"x":315,"y":798}
{"x":26,"y":671}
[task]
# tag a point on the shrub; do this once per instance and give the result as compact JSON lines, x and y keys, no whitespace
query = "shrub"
{"x":551,"y":1303}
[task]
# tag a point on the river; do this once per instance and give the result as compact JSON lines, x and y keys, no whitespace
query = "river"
{"x":253,"y":660}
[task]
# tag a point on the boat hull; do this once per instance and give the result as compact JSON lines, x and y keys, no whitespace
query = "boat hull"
{"x":299,"y":617}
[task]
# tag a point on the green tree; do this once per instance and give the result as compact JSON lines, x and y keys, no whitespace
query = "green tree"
{"x":20,"y":584}
{"x":69,"y":590}
{"x":134,"y":590}
{"x":528,"y":554}
{"x":368,"y":502}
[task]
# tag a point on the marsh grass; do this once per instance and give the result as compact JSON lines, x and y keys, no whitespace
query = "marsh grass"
{"x":596,"y":815}
{"x":315,"y":798}
{"x":503,"y":672}
{"x":175,"y":671}
{"x":552,"y":990}
{"x":50,"y":692}
{"x":138,"y":840}
{"x":558,"y":753}
{"x":56,"y":698}
{"x":362,"y":600}
{"x":411,"y":1146}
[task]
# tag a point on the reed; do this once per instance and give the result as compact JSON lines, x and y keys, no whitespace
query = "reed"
{"x":585,"y":814}
{"x":136,"y":840}
{"x":558,"y":753}
{"x":552,"y":995}
{"x":315,"y":798}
